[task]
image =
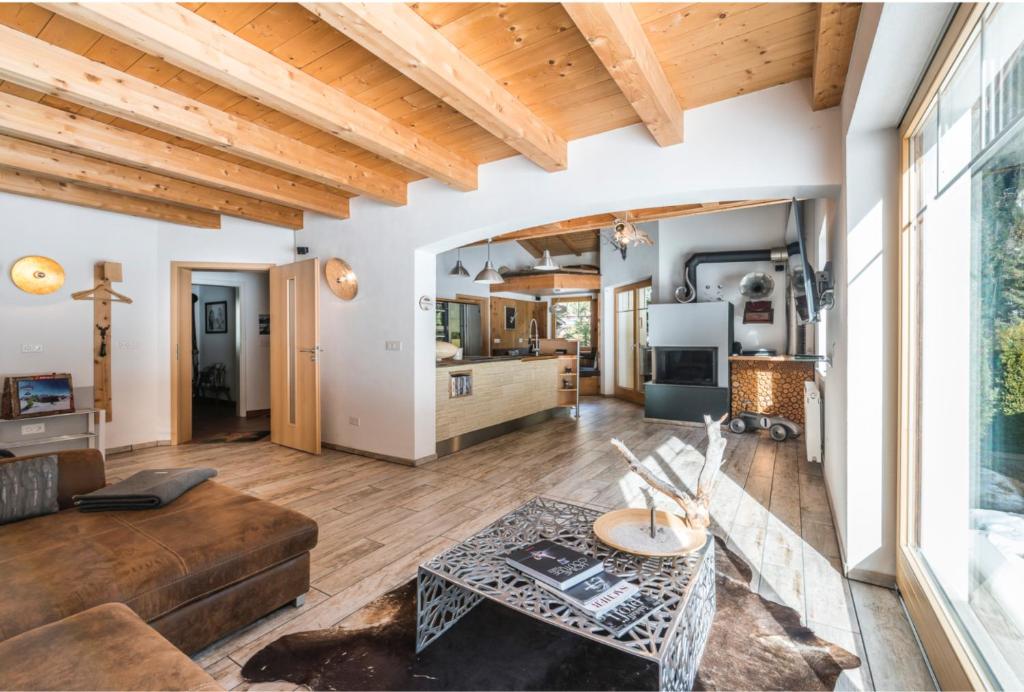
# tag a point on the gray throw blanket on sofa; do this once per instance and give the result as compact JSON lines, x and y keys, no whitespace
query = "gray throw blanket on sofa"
{"x":144,"y":490}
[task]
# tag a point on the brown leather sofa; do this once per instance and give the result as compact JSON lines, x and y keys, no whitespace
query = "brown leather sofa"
{"x":92,"y":650}
{"x":205,"y":565}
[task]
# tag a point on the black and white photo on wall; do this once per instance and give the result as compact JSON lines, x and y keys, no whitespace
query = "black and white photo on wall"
{"x":264,"y":327}
{"x":510,"y":318}
{"x":216,"y":317}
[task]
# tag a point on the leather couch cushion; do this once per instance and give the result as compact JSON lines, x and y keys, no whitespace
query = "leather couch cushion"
{"x":154,"y":560}
{"x":104,"y":648}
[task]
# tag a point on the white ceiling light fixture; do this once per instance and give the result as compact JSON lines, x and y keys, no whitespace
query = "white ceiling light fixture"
{"x":458,"y":269}
{"x":546,"y":263}
{"x":488,"y":275}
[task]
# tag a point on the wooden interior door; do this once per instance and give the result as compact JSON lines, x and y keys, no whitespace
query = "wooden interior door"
{"x":295,"y":355}
{"x":631,"y":371}
{"x":181,"y":356}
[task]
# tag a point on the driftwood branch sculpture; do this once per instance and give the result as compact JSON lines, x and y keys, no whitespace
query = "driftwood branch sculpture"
{"x":695,"y":506}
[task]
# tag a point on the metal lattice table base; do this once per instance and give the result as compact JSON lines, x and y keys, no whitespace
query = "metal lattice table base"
{"x":451,"y":584}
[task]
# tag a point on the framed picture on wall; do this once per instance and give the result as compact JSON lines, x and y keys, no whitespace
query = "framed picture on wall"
{"x":38,"y":395}
{"x":510,"y":318}
{"x":216,"y":317}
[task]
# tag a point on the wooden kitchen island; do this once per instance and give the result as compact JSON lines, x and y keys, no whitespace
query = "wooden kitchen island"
{"x":480,"y":398}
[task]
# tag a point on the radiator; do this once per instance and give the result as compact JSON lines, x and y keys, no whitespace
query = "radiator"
{"x":812,"y":422}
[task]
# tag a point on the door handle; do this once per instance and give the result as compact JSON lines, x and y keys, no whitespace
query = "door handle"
{"x":313,"y":351}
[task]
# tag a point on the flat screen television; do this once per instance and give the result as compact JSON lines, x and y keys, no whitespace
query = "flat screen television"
{"x":805,"y":285}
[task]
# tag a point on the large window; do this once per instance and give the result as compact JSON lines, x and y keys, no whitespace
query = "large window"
{"x":574,"y":319}
{"x":963,"y":259}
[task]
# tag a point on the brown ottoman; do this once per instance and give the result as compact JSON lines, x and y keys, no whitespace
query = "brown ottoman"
{"x":108,"y":647}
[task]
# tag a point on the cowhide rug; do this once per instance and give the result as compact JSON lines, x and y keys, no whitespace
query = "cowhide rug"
{"x":754,"y":644}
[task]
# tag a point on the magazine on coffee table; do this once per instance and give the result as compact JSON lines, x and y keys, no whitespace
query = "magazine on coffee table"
{"x":554,"y":564}
{"x":621,"y":616}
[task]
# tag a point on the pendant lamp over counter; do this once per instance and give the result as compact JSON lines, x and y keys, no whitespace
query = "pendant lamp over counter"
{"x":458,"y":269}
{"x":488,"y":275}
{"x":546,"y":264}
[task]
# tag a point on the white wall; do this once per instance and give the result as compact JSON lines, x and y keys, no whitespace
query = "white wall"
{"x":140,"y":336}
{"x":641,"y":263}
{"x":766,"y":144}
{"x":254,"y":295}
{"x":893,"y":45}
{"x":742,"y":229}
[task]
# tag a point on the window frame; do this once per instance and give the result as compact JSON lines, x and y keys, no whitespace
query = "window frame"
{"x":954,"y":658}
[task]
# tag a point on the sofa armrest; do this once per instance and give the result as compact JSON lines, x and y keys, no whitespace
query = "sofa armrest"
{"x":79,"y":471}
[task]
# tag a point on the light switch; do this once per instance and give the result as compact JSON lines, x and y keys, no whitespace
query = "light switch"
{"x":353,"y":420}
{"x":31,"y":348}
{"x":33,"y":428}
{"x":392,"y":345}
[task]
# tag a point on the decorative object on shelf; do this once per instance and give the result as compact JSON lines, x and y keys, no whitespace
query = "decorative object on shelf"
{"x":446,"y":349}
{"x":694,"y":506}
{"x":216,"y":317}
{"x":264,"y":325}
{"x":37,"y":275}
{"x":426,"y":303}
{"x":758,"y":312}
{"x":460,"y":384}
{"x":757,"y":286}
{"x":488,"y":275}
{"x":653,"y":533}
{"x":28,"y":396}
{"x":626,"y":234}
{"x":341,"y":279}
{"x":102,"y":297}
{"x":510,"y":318}
{"x":459,"y":269}
{"x":546,"y":263}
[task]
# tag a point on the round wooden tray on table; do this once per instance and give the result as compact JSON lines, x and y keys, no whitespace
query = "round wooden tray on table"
{"x":629,"y":530}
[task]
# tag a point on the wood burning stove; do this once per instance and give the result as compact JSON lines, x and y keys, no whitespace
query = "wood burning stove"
{"x":686,"y":365}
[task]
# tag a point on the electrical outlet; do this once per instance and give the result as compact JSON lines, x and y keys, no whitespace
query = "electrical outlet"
{"x":33,"y":428}
{"x":31,"y":348}
{"x":392,"y":345}
{"x":128,"y":345}
{"x":353,"y":420}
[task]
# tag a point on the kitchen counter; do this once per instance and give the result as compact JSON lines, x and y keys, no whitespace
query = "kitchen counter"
{"x":479,"y":360}
{"x":775,"y":359}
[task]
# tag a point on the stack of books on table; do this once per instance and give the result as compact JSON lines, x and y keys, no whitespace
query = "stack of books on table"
{"x":580,"y":580}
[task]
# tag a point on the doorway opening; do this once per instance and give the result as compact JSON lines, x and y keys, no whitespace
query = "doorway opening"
{"x":230,"y":356}
{"x":276,"y":342}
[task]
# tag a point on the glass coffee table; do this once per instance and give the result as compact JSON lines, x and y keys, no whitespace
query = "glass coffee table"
{"x":451,"y":584}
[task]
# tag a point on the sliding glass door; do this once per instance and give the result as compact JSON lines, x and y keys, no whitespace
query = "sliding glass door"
{"x":962,"y":490}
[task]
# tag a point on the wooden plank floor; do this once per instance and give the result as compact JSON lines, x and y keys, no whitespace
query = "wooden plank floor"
{"x":379,"y":520}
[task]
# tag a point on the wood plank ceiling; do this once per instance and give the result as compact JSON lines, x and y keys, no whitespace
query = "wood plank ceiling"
{"x":220,"y":108}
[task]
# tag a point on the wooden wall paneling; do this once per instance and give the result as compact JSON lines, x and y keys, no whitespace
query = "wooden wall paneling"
{"x":833,"y":46}
{"x":187,"y":40}
{"x":19,"y":183}
{"x":514,"y":338}
{"x":52,"y":127}
{"x":48,"y":162}
{"x":401,"y":38}
{"x":618,"y":39}
{"x":37,"y":65}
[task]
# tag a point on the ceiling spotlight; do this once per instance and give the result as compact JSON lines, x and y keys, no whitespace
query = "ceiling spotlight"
{"x":488,"y":275}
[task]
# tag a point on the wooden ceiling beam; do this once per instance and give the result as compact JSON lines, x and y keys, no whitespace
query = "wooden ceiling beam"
{"x":396,"y":34}
{"x":567,"y":241}
{"x":48,"y":162}
{"x":183,"y":38}
{"x":532,"y":248}
{"x":833,"y":46}
{"x":20,"y":183}
{"x":36,"y":64}
{"x":617,"y":37}
{"x":26,"y":119}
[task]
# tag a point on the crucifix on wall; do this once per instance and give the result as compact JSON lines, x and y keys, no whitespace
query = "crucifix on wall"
{"x":102,"y":295}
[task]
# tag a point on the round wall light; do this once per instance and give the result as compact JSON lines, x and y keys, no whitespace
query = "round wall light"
{"x":341,"y":279}
{"x":37,"y":274}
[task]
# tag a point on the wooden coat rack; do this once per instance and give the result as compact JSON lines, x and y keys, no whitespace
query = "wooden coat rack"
{"x":102,"y":295}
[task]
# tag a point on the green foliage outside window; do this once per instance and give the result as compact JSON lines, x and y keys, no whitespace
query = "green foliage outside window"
{"x":573,"y":321}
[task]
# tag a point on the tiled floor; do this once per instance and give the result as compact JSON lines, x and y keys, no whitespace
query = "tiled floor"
{"x":379,"y":520}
